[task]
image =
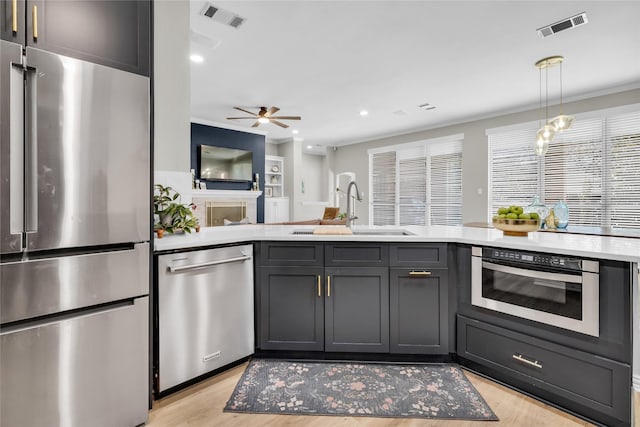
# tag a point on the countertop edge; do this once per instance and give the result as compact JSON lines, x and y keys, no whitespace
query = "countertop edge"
{"x":588,"y":246}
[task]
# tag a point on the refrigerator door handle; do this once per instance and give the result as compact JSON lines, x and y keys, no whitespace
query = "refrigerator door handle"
{"x":31,"y":151}
{"x":16,"y":150}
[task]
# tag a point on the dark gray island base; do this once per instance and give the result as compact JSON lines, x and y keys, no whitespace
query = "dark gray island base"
{"x":381,"y":295}
{"x":411,"y":302}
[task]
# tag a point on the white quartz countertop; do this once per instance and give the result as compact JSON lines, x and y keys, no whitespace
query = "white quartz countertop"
{"x":603,"y":247}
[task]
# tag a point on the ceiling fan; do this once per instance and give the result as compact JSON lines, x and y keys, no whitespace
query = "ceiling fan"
{"x":265,"y":116}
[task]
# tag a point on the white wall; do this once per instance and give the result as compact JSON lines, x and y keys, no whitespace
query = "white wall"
{"x":354,"y":157}
{"x":172,"y":87}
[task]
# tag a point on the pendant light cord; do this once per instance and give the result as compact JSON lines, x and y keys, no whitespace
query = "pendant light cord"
{"x":546,"y":96}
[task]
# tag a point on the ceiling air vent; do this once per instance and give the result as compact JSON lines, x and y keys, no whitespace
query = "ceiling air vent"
{"x":427,"y":106}
{"x":222,"y":16}
{"x":565,"y":24}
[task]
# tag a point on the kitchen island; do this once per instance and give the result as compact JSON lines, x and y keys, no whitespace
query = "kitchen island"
{"x":614,"y":249}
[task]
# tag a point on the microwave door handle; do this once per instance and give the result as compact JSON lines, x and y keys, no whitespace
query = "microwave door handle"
{"x":532,"y":273}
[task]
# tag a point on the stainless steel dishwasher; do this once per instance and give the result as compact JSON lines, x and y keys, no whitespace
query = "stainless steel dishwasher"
{"x":205,"y":312}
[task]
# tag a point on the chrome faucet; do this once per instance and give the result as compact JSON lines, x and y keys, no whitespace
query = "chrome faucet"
{"x":350,"y":216}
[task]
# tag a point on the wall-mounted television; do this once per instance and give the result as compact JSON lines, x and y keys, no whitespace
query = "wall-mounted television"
{"x":225,"y":164}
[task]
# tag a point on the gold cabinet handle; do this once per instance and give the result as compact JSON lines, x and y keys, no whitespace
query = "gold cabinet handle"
{"x":419,"y":273}
{"x":319,"y":286}
{"x":521,"y":358}
{"x":35,"y":21}
{"x":14,"y":16}
{"x":328,"y":286}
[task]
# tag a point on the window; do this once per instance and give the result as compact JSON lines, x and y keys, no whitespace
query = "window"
{"x":594,"y":167}
{"x":417,"y":184}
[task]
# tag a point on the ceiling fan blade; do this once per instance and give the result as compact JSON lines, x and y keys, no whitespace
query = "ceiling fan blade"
{"x":245,"y":111}
{"x":236,"y":118}
{"x":271,"y":111}
{"x":275,"y":122}
{"x":285,"y":117}
{"x":255,"y":125}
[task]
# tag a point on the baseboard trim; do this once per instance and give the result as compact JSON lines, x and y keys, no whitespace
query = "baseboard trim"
{"x":636,"y":383}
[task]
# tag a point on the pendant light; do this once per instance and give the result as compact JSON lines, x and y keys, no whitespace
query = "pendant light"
{"x":559,"y":123}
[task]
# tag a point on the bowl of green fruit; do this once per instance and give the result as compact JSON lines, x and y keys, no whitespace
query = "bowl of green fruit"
{"x":514,"y":222}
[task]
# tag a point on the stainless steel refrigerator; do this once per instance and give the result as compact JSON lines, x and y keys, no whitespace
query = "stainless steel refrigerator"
{"x":75,"y":230}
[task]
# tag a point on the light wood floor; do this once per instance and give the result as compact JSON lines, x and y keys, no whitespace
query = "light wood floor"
{"x":201,"y":405}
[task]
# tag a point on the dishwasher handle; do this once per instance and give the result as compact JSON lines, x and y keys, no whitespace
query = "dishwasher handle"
{"x":182,"y":268}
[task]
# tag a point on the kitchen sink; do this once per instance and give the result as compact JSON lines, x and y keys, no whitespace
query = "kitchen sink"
{"x":357,"y":232}
{"x":383,"y":232}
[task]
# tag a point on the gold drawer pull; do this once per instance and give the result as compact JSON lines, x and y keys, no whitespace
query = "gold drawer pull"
{"x":526,"y":361}
{"x":14,"y":16}
{"x":328,"y":286}
{"x":319,"y":286}
{"x":35,"y":21}
{"x":419,"y":273}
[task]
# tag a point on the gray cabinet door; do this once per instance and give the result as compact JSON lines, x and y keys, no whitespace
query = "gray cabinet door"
{"x":418,"y":311}
{"x":12,"y":21}
{"x":291,"y":308}
{"x":112,"y":33}
{"x":357,"y":309}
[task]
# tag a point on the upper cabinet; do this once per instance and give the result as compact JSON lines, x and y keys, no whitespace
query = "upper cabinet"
{"x":112,"y":33}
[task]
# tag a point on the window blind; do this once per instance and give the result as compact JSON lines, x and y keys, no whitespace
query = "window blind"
{"x":513,"y":169}
{"x":420,"y":184}
{"x":446,"y":185}
{"x":623,"y":146}
{"x":594,"y":167}
{"x":383,"y":183}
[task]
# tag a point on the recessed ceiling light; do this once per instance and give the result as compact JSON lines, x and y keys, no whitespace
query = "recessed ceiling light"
{"x":196,"y":58}
{"x":309,"y":147}
{"x":295,"y":131}
{"x":364,"y":113}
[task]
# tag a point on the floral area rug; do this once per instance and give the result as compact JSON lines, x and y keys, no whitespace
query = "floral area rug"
{"x":358,"y":389}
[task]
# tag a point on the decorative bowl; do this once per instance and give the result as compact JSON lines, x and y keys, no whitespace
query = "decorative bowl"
{"x":516,"y":227}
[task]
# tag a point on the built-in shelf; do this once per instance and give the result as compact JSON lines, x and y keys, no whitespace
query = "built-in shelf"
{"x":274,"y":180}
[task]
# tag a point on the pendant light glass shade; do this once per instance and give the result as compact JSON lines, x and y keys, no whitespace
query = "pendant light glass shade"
{"x":561,"y":123}
{"x":544,"y":136}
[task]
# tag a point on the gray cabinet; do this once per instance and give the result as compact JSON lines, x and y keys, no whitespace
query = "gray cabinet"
{"x":343,"y":297}
{"x":419,"y":298}
{"x":112,"y":33}
{"x":290,"y":296}
{"x":590,"y":385}
{"x":419,"y":311}
{"x":357,"y":309}
{"x":291,"y":308}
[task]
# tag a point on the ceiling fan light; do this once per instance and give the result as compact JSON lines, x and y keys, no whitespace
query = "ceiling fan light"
{"x":263,"y":120}
{"x":562,"y":122}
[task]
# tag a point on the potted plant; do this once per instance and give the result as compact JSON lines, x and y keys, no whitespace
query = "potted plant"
{"x":171,"y":216}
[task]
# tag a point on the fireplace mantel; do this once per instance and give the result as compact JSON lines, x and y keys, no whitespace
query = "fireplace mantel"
{"x":225,"y":194}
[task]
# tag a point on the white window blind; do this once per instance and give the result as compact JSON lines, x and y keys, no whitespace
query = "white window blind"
{"x":420,"y":184}
{"x":623,"y":146}
{"x":573,"y":172}
{"x":594,"y":167}
{"x":513,"y":169}
{"x":446,"y":185}
{"x":383,"y":182}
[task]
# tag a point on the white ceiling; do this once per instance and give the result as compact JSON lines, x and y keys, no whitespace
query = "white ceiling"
{"x":327,"y":60}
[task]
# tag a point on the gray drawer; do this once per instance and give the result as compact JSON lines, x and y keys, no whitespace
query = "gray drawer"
{"x":289,"y":254}
{"x":356,"y":254}
{"x":591,"y":382}
{"x":430,"y":255}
